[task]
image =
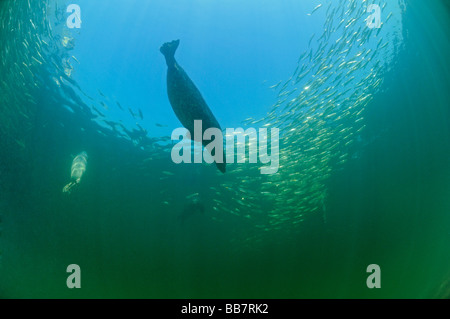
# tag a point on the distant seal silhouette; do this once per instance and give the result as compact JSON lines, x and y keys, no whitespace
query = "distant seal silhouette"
{"x":78,"y":168}
{"x":186,"y":100}
{"x":191,"y":209}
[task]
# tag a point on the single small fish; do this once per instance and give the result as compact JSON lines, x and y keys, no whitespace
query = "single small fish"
{"x":316,"y":8}
{"x":75,"y":59}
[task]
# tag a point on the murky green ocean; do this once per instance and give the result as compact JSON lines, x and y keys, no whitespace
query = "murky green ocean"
{"x":363,"y":178}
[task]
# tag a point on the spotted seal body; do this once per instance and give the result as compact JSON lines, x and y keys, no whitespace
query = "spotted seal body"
{"x":78,"y":166}
{"x":186,"y":100}
{"x":77,"y":170}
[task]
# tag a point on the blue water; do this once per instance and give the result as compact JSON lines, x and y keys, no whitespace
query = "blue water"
{"x":230,"y":50}
{"x":364,"y":176}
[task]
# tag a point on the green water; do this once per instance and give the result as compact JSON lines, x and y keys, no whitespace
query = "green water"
{"x":386,"y":203}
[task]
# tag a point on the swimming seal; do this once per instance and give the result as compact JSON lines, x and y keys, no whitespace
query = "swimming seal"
{"x":77,"y":170}
{"x":186,"y":100}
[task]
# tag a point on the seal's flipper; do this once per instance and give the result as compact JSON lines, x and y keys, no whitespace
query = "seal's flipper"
{"x":168,"y":50}
{"x":68,"y":187}
{"x":220,"y":166}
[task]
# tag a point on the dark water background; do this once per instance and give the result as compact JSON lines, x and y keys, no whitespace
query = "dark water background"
{"x":389,"y":204}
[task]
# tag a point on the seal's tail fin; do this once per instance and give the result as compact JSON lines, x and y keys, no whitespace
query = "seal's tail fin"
{"x":168,"y":50}
{"x":68,"y":187}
